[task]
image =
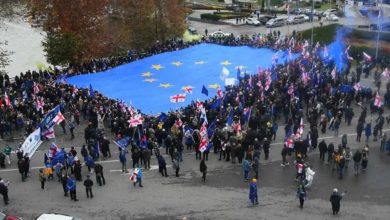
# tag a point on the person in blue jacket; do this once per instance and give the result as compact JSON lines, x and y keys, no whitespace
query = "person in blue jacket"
{"x":253,"y":192}
{"x":71,"y":185}
{"x":246,"y":165}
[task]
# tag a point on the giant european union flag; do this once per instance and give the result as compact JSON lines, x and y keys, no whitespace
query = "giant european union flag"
{"x":149,"y":83}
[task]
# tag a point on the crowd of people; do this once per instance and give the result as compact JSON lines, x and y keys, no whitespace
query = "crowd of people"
{"x":245,"y":120}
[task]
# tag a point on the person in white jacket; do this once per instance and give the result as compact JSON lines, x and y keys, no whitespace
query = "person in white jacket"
{"x":309,"y":177}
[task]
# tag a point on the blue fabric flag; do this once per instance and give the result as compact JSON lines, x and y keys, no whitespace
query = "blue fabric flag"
{"x":205,"y":91}
{"x":211,"y":129}
{"x":48,"y":121}
{"x":59,"y":157}
{"x":123,"y":143}
{"x":216,"y":104}
{"x":152,"y":80}
{"x":345,"y":88}
{"x":91,"y":93}
{"x":230,"y":120}
{"x":163,"y":117}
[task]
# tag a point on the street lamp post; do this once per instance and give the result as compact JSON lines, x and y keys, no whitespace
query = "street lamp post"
{"x":312,"y":21}
{"x":379,"y":26}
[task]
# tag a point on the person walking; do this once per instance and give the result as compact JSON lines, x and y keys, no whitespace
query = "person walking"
{"x":246,"y":165}
{"x":7,"y":152}
{"x":301,"y":194}
{"x":64,"y":181}
{"x":122,"y":159}
{"x":137,"y":176}
{"x":71,"y":185}
{"x":22,"y":168}
{"x":253,"y":192}
{"x":347,"y":153}
{"x":162,"y":165}
{"x":335,"y":199}
{"x":341,"y":166}
{"x":88,"y":183}
{"x":266,"y":146}
{"x":42,"y":178}
{"x":4,"y":190}
{"x":357,"y":159}
{"x":284,"y":156}
{"x":99,"y":174}
{"x":203,"y":169}
{"x":323,"y":148}
{"x":176,"y":163}
{"x":364,"y":157}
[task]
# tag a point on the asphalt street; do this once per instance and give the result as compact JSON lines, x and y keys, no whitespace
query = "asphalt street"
{"x":223,"y":196}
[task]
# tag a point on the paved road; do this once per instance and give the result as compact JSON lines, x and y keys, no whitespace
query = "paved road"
{"x":223,"y":196}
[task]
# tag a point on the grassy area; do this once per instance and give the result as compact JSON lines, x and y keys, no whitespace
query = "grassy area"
{"x":323,"y":34}
{"x":327,"y":6}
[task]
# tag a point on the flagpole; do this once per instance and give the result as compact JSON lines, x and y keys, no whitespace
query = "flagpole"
{"x":379,"y":30}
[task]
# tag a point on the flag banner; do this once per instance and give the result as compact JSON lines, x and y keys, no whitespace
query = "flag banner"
{"x":53,"y":117}
{"x":32,"y":142}
{"x":123,"y":143}
{"x":49,"y":133}
{"x":150,"y":82}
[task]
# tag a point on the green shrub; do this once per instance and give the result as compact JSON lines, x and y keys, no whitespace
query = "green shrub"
{"x":212,"y":17}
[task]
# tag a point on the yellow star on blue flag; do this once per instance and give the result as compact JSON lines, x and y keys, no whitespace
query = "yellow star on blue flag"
{"x":213,"y":86}
{"x":157,"y":67}
{"x":150,"y":80}
{"x":226,"y":63}
{"x":165,"y":85}
{"x":177,"y":63}
{"x":147,"y":74}
{"x":200,"y":62}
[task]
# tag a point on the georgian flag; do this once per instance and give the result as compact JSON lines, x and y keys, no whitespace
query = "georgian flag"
{"x":135,"y":120}
{"x":178,"y":98}
{"x":386,"y":74}
{"x":300,"y":128}
{"x":289,"y":143}
{"x":49,"y":133}
{"x":204,"y":141}
{"x":267,"y":83}
{"x":237,"y":127}
{"x":58,"y":118}
{"x":378,"y":100}
{"x":357,"y":87}
{"x":6,"y":99}
{"x":305,"y":78}
{"x":219,"y":93}
{"x":75,"y":91}
{"x":35,"y":88}
{"x":199,"y":105}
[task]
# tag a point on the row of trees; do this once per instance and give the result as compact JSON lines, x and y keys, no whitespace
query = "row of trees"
{"x":80,"y":30}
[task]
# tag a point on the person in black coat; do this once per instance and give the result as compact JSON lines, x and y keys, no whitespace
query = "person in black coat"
{"x":64,"y":181}
{"x":266,"y":146}
{"x":203,"y":169}
{"x":4,"y":191}
{"x":99,"y":174}
{"x":162,"y":166}
{"x":77,"y":170}
{"x":88,"y":183}
{"x":323,"y":148}
{"x":335,"y":199}
{"x":22,"y":168}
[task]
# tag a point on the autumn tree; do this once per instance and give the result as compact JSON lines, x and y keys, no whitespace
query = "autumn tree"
{"x":80,"y":30}
{"x":149,"y":21}
{"x":76,"y":23}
